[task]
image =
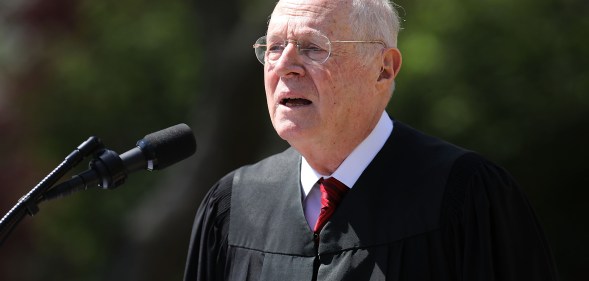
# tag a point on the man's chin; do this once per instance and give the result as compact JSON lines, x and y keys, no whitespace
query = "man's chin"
{"x":290,"y":131}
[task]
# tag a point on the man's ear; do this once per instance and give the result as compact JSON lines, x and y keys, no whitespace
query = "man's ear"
{"x":391,"y":64}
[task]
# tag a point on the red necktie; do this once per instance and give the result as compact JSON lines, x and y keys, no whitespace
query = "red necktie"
{"x":332,"y":193}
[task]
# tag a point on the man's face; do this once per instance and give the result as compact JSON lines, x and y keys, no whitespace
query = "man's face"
{"x":319,"y":103}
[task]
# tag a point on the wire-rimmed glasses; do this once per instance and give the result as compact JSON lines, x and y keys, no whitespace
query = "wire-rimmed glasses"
{"x":314,"y":49}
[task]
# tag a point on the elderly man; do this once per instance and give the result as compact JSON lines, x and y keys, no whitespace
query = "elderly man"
{"x":358,"y":196}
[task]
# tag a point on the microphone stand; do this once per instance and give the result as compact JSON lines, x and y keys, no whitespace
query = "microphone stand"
{"x":28,"y":203}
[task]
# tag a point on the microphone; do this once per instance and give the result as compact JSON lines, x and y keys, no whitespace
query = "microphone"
{"x":108,"y":170}
{"x":161,"y":149}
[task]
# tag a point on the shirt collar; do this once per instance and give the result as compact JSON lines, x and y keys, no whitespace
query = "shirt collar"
{"x":355,"y":164}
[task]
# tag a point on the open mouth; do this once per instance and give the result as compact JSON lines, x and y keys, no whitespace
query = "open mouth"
{"x":295,"y":102}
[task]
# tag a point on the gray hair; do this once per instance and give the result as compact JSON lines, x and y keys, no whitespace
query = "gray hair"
{"x":375,"y":20}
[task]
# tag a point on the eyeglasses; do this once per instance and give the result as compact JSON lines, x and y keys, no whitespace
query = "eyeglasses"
{"x":314,"y":49}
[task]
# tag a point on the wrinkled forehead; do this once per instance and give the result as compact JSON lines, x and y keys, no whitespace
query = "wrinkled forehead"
{"x":293,"y":18}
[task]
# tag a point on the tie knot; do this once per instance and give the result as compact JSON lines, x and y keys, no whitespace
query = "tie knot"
{"x":332,"y":193}
{"x":333,"y":189}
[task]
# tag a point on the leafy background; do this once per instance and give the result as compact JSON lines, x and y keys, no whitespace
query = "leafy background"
{"x":506,"y":78}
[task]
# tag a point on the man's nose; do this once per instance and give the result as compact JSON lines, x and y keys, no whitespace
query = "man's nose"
{"x":290,"y":61}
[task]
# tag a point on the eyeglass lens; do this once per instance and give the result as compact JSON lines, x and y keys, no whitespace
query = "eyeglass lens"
{"x":313,"y":49}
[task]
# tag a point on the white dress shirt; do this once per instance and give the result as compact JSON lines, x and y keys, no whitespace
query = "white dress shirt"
{"x":348,"y":172}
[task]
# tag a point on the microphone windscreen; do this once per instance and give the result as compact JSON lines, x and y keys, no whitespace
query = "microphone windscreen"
{"x":168,"y":146}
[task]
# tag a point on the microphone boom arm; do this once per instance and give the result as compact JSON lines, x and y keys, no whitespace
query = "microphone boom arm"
{"x":28,"y":203}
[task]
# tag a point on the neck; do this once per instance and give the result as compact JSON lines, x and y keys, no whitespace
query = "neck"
{"x":325,"y":161}
{"x":326,"y":155}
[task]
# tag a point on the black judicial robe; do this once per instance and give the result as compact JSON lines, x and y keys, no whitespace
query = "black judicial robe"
{"x":422,"y":210}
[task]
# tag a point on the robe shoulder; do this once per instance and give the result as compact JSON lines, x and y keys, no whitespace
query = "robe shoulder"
{"x":491,"y":230}
{"x":207,"y":254}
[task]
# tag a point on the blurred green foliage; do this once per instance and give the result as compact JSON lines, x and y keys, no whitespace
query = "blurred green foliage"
{"x":506,"y":78}
{"x":129,"y":63}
